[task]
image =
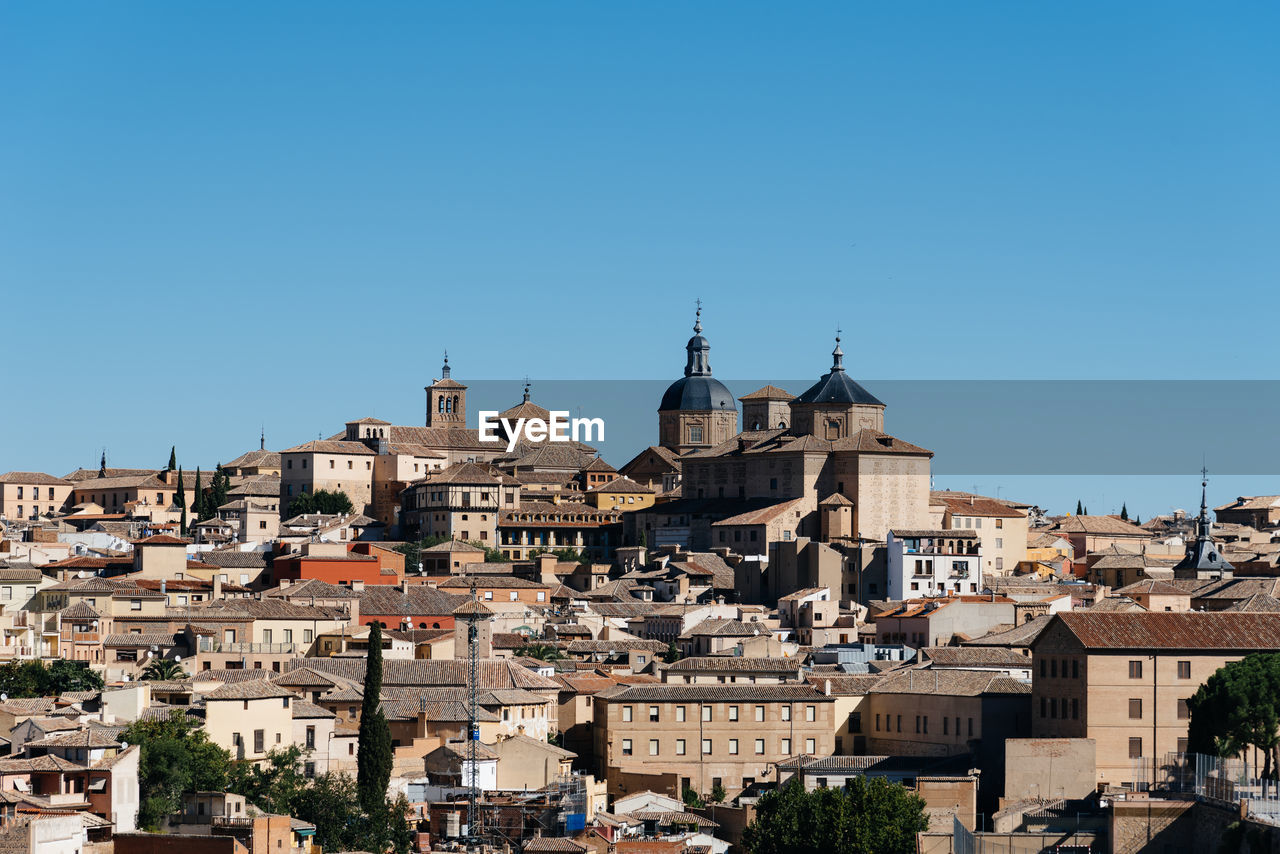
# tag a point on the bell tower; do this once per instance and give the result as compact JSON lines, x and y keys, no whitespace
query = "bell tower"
{"x":446,"y":400}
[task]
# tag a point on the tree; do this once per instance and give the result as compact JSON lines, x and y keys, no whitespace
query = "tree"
{"x":176,"y":757}
{"x":541,"y":651}
{"x":1238,"y":707}
{"x":412,"y":551}
{"x":717,"y":793}
{"x":181,"y":500}
{"x":163,"y":670}
{"x":1079,"y":507}
{"x":273,"y":785}
{"x":868,"y":815}
{"x":643,"y":539}
{"x":321,"y":501}
{"x":199,"y":501}
{"x":1124,"y":512}
{"x":672,"y":654}
{"x":332,"y":804}
{"x":33,"y":679}
{"x":173,"y":458}
{"x":691,"y":799}
{"x":373,"y":768}
{"x":565,"y":555}
{"x":218,"y":490}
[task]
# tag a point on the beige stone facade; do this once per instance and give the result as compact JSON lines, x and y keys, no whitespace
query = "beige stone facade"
{"x":1122,"y":679}
{"x":26,"y":495}
{"x":731,"y":734}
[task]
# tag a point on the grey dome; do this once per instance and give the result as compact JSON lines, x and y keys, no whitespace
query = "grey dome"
{"x":836,"y":386}
{"x":697,"y":393}
{"x":697,"y":390}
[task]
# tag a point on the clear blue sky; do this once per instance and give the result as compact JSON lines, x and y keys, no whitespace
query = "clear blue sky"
{"x":218,"y":215}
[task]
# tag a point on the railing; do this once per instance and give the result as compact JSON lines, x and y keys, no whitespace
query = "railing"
{"x":240,"y":648}
{"x":1210,"y":778}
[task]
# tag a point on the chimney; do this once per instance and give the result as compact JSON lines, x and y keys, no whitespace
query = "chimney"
{"x":164,"y":586}
{"x":217,"y":585}
{"x":826,"y":688}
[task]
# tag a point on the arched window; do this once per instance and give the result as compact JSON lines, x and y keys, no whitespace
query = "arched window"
{"x":440,"y":404}
{"x":448,"y":405}
{"x":455,"y":403}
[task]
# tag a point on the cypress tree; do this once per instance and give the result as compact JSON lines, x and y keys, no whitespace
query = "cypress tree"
{"x":373,"y":769}
{"x":1124,"y":512}
{"x":199,"y":499}
{"x":218,"y":490}
{"x":181,"y":500}
{"x":173,"y":457}
{"x":1079,"y":508}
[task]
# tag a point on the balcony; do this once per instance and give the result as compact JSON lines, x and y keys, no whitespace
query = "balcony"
{"x":251,"y":648}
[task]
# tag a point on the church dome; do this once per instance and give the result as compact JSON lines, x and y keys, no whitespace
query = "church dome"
{"x":697,"y":390}
{"x":837,"y":387}
{"x":697,"y":393}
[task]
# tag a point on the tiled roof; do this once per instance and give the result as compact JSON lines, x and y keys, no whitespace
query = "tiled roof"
{"x":78,"y":738}
{"x":1102,"y":525}
{"x":324,"y":446}
{"x":844,"y":684}
{"x":621,"y":485}
{"x":714,"y":693}
{"x":1151,"y":587}
{"x":963,"y":683}
{"x":726,"y":628}
{"x":554,"y":843}
{"x":735,"y":664}
{"x":1259,"y":603}
{"x":139,"y":641}
{"x":162,"y":540}
{"x":311,"y":588}
{"x":768,"y":392}
{"x":1018,"y":636}
{"x":763,"y":515}
{"x":975,"y":656}
{"x":33,"y":478}
{"x":254,"y":689}
{"x":493,"y":674}
{"x":587,"y":647}
{"x":482,"y":582}
{"x":419,"y":600}
{"x":975,"y":505}
{"x":1167,"y":630}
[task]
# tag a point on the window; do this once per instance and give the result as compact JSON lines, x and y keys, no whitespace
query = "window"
{"x":679,"y":747}
{"x":706,"y":745}
{"x":1184,"y":669}
{"x":653,"y":747}
{"x":970,"y":727}
{"x":259,"y":739}
{"x":266,"y":635}
{"x":653,"y":714}
{"x":309,"y":770}
{"x":626,"y":714}
{"x":759,"y":713}
{"x":695,"y":434}
{"x":1184,"y":711}
{"x":786,"y":713}
{"x":759,"y":747}
{"x":1135,"y":669}
{"x":733,"y":747}
{"x":785,"y":746}
{"x":680,"y":711}
{"x":877,"y":721}
{"x":706,"y":713}
{"x":514,"y":595}
{"x":1135,"y":748}
{"x":1135,"y":709}
{"x":1075,"y":709}
{"x":626,"y":747}
{"x":811,"y":713}
{"x":135,"y":604}
{"x":810,"y":746}
{"x":311,"y":738}
{"x":1075,"y":668}
{"x":733,"y":713}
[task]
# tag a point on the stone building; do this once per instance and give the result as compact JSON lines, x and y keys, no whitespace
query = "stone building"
{"x":1123,"y":679}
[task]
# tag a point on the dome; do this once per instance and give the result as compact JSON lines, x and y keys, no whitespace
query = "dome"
{"x":697,"y":390}
{"x":836,"y":386}
{"x":698,"y":393}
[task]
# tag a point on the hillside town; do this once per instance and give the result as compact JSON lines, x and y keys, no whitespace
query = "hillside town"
{"x":402,"y":637}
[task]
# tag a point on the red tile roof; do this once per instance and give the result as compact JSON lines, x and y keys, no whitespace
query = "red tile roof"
{"x":1237,"y":631}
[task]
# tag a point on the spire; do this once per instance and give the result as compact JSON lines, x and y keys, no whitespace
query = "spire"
{"x":698,"y":363}
{"x":262,"y":439}
{"x":1203,"y":560}
{"x":444,"y":372}
{"x":837,"y":354}
{"x":102,"y":466}
{"x":526,"y":389}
